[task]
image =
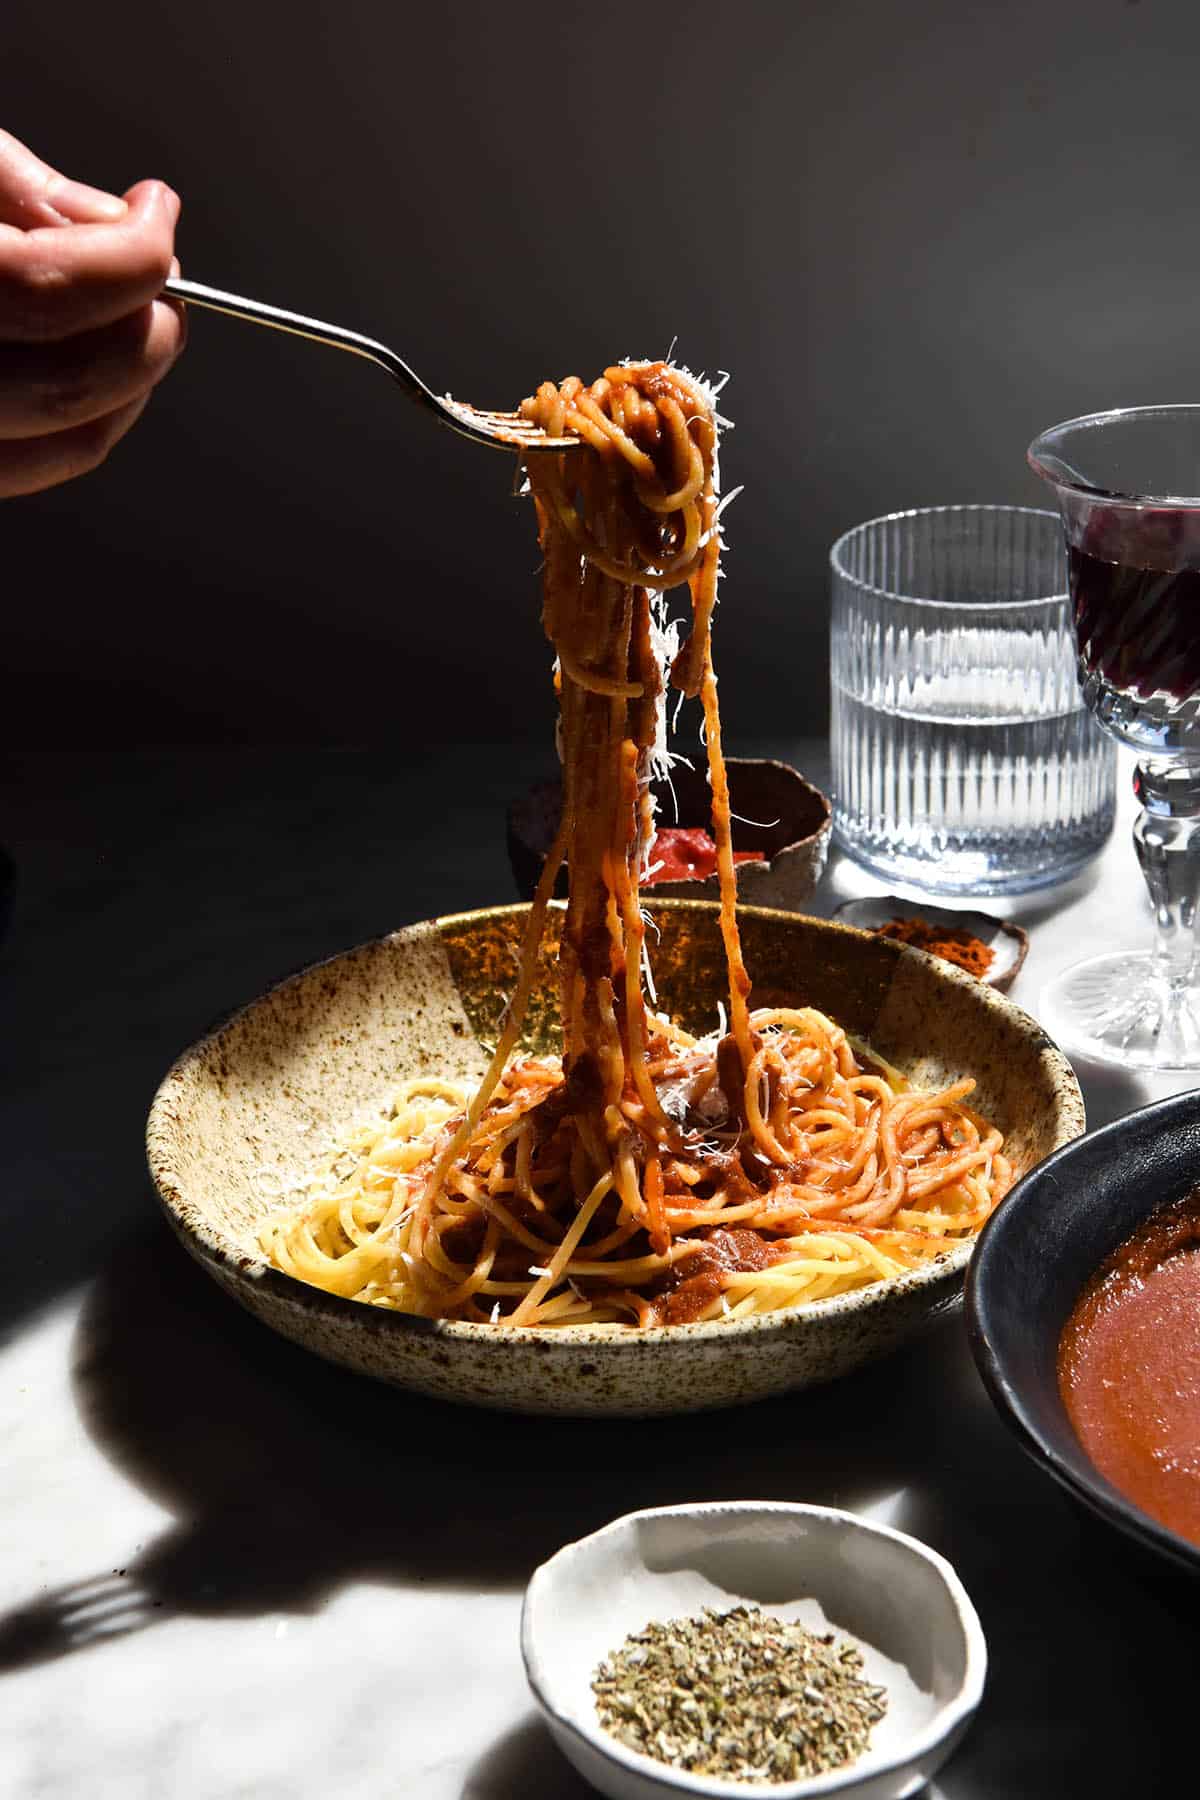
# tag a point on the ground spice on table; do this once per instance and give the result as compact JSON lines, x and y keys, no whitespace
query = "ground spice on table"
{"x":950,"y":942}
{"x":740,"y":1695}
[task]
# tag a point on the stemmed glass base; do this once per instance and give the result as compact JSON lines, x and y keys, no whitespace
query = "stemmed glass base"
{"x":1141,"y":1008}
{"x":1125,"y":482}
{"x":1121,"y":1009}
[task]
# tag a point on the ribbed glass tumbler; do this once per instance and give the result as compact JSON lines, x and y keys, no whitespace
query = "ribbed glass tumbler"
{"x":964,"y":760}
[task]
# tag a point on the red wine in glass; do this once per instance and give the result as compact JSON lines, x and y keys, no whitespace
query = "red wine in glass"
{"x":1136,"y":615}
{"x":1128,"y":488}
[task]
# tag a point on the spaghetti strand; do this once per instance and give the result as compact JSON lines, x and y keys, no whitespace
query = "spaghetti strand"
{"x":643,"y":1177}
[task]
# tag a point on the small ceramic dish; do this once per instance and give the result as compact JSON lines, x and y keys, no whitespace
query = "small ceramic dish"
{"x":1031,"y":1264}
{"x":900,"y":1603}
{"x":776,"y":811}
{"x":245,"y":1115}
{"x":1007,"y":942}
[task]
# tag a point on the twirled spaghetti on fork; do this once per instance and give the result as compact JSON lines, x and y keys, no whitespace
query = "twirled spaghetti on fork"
{"x":644,"y":1177}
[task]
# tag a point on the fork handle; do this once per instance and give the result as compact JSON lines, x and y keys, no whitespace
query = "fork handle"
{"x":318,"y":331}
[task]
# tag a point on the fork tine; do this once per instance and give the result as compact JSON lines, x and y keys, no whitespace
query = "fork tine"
{"x":504,"y":421}
{"x":508,"y":427}
{"x":514,"y":422}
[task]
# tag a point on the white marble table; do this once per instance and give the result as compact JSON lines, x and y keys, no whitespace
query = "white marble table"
{"x":228,"y":1570}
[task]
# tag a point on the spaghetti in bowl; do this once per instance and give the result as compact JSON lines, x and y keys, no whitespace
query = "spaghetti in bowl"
{"x":246,"y":1120}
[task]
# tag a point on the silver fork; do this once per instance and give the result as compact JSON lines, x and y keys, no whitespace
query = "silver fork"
{"x":502,"y":430}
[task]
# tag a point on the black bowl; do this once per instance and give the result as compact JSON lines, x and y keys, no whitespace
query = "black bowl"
{"x":793,"y":831}
{"x":1034,"y":1257}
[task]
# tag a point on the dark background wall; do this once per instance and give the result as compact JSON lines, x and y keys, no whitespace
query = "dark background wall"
{"x":914,"y":233}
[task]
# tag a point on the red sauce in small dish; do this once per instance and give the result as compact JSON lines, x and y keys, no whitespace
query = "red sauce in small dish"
{"x":1129,"y":1367}
{"x":687,"y":853}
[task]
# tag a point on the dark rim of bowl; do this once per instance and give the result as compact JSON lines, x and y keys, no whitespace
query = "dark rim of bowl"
{"x":1082,"y":1480}
{"x":812,"y":796}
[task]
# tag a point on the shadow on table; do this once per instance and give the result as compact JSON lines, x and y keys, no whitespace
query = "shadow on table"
{"x":289,"y":1479}
{"x":159,"y":891}
{"x":526,"y":1761}
{"x":1109,"y":1091}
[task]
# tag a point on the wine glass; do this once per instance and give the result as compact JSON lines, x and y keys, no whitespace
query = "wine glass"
{"x":1128,"y":489}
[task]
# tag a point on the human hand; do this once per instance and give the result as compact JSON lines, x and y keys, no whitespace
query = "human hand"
{"x":83,"y":338}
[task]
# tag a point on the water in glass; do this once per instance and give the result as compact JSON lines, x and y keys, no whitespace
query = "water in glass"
{"x":964,"y":758}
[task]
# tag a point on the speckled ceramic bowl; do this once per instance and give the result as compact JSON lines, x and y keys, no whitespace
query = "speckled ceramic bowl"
{"x":239,"y":1124}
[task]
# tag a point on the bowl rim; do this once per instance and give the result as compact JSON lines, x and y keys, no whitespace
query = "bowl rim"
{"x":1075,"y":1472}
{"x":755,"y":874}
{"x":799,"y":779}
{"x":944,"y":1270}
{"x":731,"y":764}
{"x":809,"y":841}
{"x":951,"y":1715}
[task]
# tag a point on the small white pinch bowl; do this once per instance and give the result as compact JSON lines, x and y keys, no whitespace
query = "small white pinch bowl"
{"x":897,"y":1600}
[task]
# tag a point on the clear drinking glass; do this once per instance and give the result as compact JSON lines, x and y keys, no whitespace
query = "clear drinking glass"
{"x":964,"y":760}
{"x":1128,"y":489}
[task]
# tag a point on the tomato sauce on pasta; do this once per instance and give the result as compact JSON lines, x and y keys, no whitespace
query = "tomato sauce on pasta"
{"x":644,"y":1177}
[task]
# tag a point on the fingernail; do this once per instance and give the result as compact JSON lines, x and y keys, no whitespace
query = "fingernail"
{"x":152,"y":193}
